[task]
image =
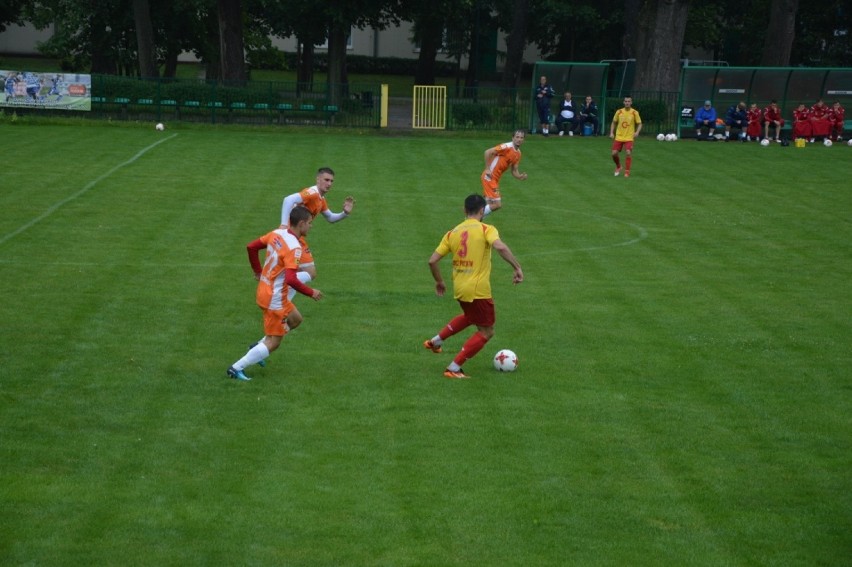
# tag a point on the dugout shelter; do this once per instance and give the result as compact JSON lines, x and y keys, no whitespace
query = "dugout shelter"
{"x":790,"y":86}
{"x":582,"y":79}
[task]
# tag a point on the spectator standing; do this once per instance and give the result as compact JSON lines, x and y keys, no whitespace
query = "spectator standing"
{"x":543,"y":93}
{"x":705,"y":118}
{"x":589,"y":115}
{"x":569,"y":114}
{"x":736,"y":117}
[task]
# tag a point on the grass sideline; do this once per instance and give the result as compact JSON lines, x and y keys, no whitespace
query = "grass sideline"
{"x":682,"y":398}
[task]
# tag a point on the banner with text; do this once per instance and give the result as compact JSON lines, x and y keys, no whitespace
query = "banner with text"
{"x":59,"y":91}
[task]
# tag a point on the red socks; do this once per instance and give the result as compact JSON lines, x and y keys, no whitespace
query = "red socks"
{"x":617,"y":160}
{"x":458,"y":323}
{"x":472,"y":346}
{"x":627,"y":161}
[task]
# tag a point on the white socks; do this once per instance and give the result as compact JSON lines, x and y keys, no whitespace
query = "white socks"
{"x":255,"y":354}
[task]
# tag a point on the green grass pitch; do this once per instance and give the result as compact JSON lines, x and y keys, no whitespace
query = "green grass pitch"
{"x":683,"y":396}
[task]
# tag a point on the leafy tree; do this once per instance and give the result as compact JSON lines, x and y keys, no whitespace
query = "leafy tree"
{"x":10,"y":12}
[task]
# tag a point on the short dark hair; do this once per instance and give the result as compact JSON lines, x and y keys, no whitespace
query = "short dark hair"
{"x":322,"y":170}
{"x":299,"y":214}
{"x":473,"y":204}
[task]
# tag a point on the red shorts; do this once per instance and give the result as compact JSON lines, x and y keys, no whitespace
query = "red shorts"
{"x":618,"y":146}
{"x":479,"y":312}
{"x":490,"y":188}
{"x":273,"y":320}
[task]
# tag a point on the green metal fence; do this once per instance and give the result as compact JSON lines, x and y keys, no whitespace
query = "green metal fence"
{"x":251,"y":102}
{"x":659,"y":110}
{"x":487,"y":109}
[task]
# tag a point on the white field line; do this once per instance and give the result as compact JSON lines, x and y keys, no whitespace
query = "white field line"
{"x":53,"y":208}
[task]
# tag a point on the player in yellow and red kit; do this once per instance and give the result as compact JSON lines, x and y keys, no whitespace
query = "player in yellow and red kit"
{"x":626,"y":125}
{"x":498,"y":159}
{"x":313,"y":199}
{"x":470,"y":244}
{"x":278,"y":274}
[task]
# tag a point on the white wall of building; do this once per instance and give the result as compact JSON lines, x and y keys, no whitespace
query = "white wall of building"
{"x":392,"y":42}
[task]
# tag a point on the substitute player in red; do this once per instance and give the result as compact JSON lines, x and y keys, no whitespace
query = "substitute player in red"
{"x":755,"y":119}
{"x":836,"y":116}
{"x":820,"y":124}
{"x":802,"y":122}
{"x":280,"y":316}
{"x":498,"y":160}
{"x":772,"y":119}
{"x":626,"y":125}
{"x":470,"y":244}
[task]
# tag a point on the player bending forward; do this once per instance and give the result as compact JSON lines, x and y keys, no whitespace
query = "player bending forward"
{"x":280,"y":316}
{"x":497,"y":160}
{"x":313,"y":199}
{"x":470,"y":244}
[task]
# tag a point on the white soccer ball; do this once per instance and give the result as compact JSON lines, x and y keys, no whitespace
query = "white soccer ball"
{"x":764,"y":142}
{"x":849,"y":143}
{"x":669,"y":137}
{"x":827,"y":143}
{"x":661,"y":137}
{"x":674,"y":137}
{"x":505,"y":360}
{"x":160,"y":127}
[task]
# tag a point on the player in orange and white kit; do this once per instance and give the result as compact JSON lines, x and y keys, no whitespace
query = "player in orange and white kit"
{"x":283,"y":256}
{"x":313,"y":199}
{"x":498,"y":159}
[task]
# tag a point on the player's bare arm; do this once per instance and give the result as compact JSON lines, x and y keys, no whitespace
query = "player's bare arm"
{"x":517,"y":174}
{"x":440,"y":287}
{"x":506,"y":254}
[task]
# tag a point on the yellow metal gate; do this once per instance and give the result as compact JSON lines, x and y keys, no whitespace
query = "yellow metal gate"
{"x":429,"y":109}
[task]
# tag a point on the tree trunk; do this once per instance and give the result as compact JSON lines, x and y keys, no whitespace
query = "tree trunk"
{"x":430,"y":31}
{"x":231,"y":40}
{"x":515,"y":44}
{"x":336,"y":61}
{"x":629,"y":40}
{"x":779,"y":37}
{"x":145,"y":50}
{"x":305,"y":66}
{"x":662,"y":24}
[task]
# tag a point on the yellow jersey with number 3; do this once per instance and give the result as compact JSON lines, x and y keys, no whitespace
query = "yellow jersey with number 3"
{"x":626,"y":120}
{"x":470,"y":244}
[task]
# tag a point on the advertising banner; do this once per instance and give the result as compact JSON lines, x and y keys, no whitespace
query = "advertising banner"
{"x":59,"y":91}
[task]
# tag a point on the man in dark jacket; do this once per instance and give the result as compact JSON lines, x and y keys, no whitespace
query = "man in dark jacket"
{"x":736,"y":117}
{"x":589,"y":115}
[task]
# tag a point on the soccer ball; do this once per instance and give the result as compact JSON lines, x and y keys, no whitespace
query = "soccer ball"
{"x":661,"y":137}
{"x":849,"y":143}
{"x":160,"y":127}
{"x":505,"y":361}
{"x":674,"y":137}
{"x":764,"y":142}
{"x":827,"y":143}
{"x":669,"y":137}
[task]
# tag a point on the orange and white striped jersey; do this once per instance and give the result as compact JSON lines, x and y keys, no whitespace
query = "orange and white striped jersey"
{"x":507,"y":155}
{"x":313,"y":200}
{"x":283,"y":252}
